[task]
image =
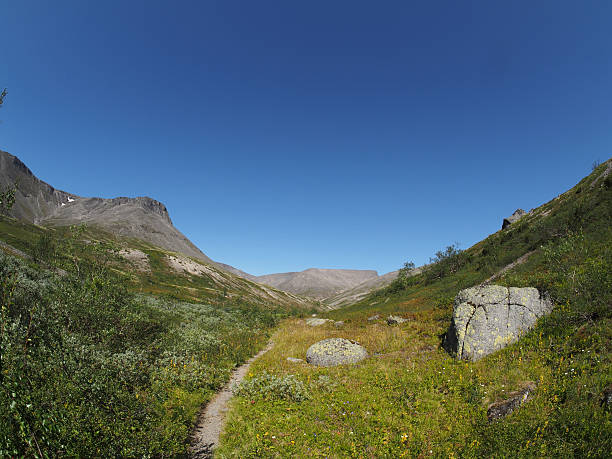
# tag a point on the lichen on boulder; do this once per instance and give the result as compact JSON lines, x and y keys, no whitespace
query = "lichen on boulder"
{"x":488,"y":318}
{"x":335,"y":351}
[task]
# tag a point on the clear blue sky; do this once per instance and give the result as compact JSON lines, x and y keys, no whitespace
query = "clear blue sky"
{"x":286,"y":135}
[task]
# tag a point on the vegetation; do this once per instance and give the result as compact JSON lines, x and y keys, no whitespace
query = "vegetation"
{"x":92,"y":364}
{"x":90,"y":369}
{"x":7,"y":199}
{"x":411,"y":399}
{"x":270,"y":387}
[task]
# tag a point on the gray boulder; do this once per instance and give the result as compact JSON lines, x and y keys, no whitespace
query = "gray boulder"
{"x":516,"y":216}
{"x":314,"y":322}
{"x":395,"y":320}
{"x":294,"y":360}
{"x":374,"y":318}
{"x":488,"y":318}
{"x":335,"y":351}
{"x":339,"y":323}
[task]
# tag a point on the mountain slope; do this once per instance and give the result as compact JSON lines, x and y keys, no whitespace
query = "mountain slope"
{"x":142,"y":217}
{"x":317,"y":283}
{"x":358,"y":292}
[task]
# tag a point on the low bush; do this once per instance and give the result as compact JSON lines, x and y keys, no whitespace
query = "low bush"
{"x":270,"y":387}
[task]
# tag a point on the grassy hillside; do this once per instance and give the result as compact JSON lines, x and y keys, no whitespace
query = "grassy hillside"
{"x":412,"y":399}
{"x":153,"y":274}
{"x":93,"y":364}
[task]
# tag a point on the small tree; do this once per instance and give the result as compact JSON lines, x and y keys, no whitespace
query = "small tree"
{"x":2,"y":96}
{"x":445,"y":262}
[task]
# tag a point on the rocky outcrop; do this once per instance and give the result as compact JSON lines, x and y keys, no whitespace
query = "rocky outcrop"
{"x":516,"y":216}
{"x":335,"y":351}
{"x":488,"y":318}
{"x":503,"y":408}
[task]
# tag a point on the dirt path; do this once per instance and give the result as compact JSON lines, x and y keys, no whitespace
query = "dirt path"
{"x":205,"y":436}
{"x":518,"y":261}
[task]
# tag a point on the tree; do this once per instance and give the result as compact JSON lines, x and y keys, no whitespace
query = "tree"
{"x":2,"y":96}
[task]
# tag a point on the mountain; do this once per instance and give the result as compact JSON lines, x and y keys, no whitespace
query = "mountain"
{"x":317,"y":283}
{"x":354,"y":294}
{"x":156,"y":256}
{"x":141,"y":218}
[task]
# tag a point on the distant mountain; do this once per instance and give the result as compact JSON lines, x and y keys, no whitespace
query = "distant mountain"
{"x":146,"y":219}
{"x":141,"y":218}
{"x":359,"y":291}
{"x":146,"y":233}
{"x":317,"y":283}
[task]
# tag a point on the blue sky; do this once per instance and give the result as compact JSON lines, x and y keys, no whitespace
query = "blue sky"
{"x":288,"y":135}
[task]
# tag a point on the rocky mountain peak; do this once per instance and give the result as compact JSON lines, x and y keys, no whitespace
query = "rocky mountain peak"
{"x":146,"y":203}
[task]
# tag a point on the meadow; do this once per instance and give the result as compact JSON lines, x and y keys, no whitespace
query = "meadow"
{"x":411,"y":398}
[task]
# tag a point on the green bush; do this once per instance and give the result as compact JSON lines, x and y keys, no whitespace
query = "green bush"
{"x":270,"y":387}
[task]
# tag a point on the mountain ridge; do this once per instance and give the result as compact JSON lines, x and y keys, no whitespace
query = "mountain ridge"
{"x":40,"y":203}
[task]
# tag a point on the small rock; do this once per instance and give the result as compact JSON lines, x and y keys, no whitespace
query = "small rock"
{"x":316,"y":322}
{"x":294,"y":360}
{"x":503,"y":408}
{"x":373,"y":318}
{"x":335,"y":351}
{"x":395,"y":320}
{"x":606,"y":397}
{"x":339,"y":323}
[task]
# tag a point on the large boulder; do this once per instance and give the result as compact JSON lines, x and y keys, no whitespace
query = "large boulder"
{"x":335,"y":351}
{"x":516,"y":216}
{"x":488,"y":318}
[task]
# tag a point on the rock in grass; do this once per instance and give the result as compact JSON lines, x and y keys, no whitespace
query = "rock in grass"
{"x":374,"y":318}
{"x":606,"y":397}
{"x":488,"y":318}
{"x":339,"y":323}
{"x":395,"y":320}
{"x":294,"y":360}
{"x":313,"y":322}
{"x":335,"y":351}
{"x":503,"y":408}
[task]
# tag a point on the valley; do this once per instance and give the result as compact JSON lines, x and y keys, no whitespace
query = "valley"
{"x":119,"y":339}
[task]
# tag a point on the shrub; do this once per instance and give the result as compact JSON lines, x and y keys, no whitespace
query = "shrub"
{"x":270,"y":387}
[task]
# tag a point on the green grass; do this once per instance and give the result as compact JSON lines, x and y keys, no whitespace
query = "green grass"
{"x":412,"y":399}
{"x":89,"y":369}
{"x":161,"y":279}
